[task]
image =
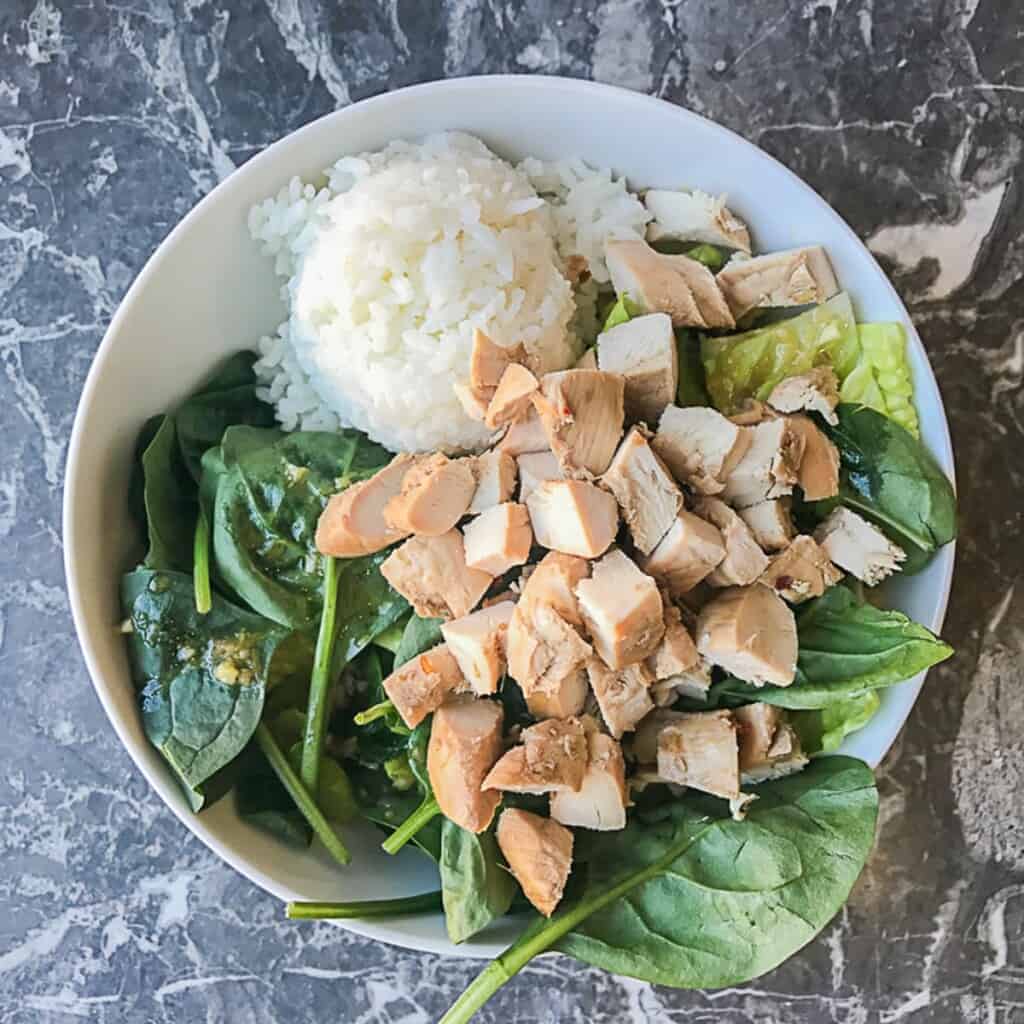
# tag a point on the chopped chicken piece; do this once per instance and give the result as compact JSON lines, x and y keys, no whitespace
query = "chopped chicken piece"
{"x":682,"y":287}
{"x":539,"y":854}
{"x":744,"y":560}
{"x":795,"y":277}
{"x":435,"y":495}
{"x":814,"y":391}
{"x":525,"y":435}
{"x":553,"y":582}
{"x":694,"y":682}
{"x":495,"y":472}
{"x":700,"y":446}
{"x":622,"y":609}
{"x":353,"y":522}
{"x":694,"y":217}
{"x":512,"y":396}
{"x":623,"y":696}
{"x":534,"y":469}
{"x":498,"y":539}
{"x":489,"y":361}
{"x":769,"y":745}
{"x":465,"y":742}
{"x":477,"y":642}
{"x":677,"y":653}
{"x":587,"y":361}
{"x":643,"y":351}
{"x":770,"y":523}
{"x":700,"y":750}
{"x":474,"y":403}
{"x":753,"y":411}
{"x":769,"y":467}
{"x":858,"y":547}
{"x":801,"y":572}
{"x":423,"y":683}
{"x":750,"y":632}
{"x":432,"y":575}
{"x":582,"y":415}
{"x":559,"y":700}
{"x":574,"y":517}
{"x":819,"y":468}
{"x":601,"y":801}
{"x":648,"y":496}
{"x":552,"y":757}
{"x":645,"y":739}
{"x":687,"y":553}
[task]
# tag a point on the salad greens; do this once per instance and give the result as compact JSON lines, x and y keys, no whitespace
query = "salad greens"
{"x":476,"y":887}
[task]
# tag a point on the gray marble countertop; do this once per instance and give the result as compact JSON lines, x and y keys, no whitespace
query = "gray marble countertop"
{"x":116,"y":117}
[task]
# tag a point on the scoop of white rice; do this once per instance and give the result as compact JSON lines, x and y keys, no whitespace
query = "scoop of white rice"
{"x":392,"y":265}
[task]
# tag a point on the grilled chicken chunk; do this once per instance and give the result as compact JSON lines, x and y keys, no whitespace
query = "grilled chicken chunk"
{"x":858,"y":547}
{"x":574,"y":517}
{"x":648,"y":496}
{"x":700,"y":446}
{"x":435,"y":495}
{"x":643,"y":351}
{"x":694,"y":217}
{"x":423,"y":683}
{"x":769,"y":467}
{"x":353,"y":522}
{"x":539,"y":854}
{"x":770,"y":523}
{"x":750,"y":632}
{"x":622,"y":609}
{"x":687,"y":553}
{"x":495,"y":473}
{"x":465,"y":742}
{"x":601,"y":801}
{"x":819,"y":467}
{"x":488,"y":362}
{"x":498,"y":539}
{"x":795,"y":277}
{"x":701,"y":750}
{"x":677,"y":285}
{"x":432,"y":575}
{"x":553,"y":582}
{"x":474,"y":403}
{"x":587,"y":361}
{"x":582,"y":415}
{"x":744,"y":560}
{"x":814,"y":391}
{"x":623,"y":696}
{"x":801,"y":572}
{"x":511,"y":397}
{"x":553,"y":757}
{"x":677,"y":653}
{"x":526,"y":434}
{"x":534,"y":469}
{"x":769,"y":746}
{"x":477,"y":642}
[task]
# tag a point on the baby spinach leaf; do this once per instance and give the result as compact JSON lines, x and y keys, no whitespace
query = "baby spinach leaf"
{"x":169,"y":497}
{"x":826,"y":728}
{"x":419,"y":636}
{"x":384,"y":805}
{"x":263,"y":801}
{"x":476,"y":887}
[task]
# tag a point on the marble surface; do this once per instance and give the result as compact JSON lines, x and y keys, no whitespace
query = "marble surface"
{"x":115,"y":117}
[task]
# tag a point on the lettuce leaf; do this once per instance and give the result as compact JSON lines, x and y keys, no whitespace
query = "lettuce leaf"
{"x":881,"y":379}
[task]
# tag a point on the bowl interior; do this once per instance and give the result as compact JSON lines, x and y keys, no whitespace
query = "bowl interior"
{"x":207,"y":292}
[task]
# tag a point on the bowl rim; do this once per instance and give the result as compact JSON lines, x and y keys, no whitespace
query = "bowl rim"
{"x":582,"y":89}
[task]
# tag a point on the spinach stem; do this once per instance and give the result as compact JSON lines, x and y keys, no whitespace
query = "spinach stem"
{"x":320,"y":682}
{"x":201,"y":560}
{"x":427,"y":811}
{"x":298,"y":792}
{"x":420,"y":904}
{"x":371,"y":714}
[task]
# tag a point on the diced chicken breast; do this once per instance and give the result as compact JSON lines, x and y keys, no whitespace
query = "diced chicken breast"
{"x":534,"y":469}
{"x":512,"y":396}
{"x":858,"y":547}
{"x":687,"y":553}
{"x":676,"y":653}
{"x":795,"y":277}
{"x":582,"y":414}
{"x":432,"y":575}
{"x":750,"y":632}
{"x":801,"y":572}
{"x":558,"y":700}
{"x":353,"y":522}
{"x":644,"y":746}
{"x":770,"y":523}
{"x":819,"y":467}
{"x":769,"y":746}
{"x":744,"y":560}
{"x":465,"y":742}
{"x":498,"y":539}
{"x":553,"y":582}
{"x":435,"y":495}
{"x":694,"y":682}
{"x":539,"y":853}
{"x":622,"y":610}
{"x":526,"y":434}
{"x":495,"y":473}
{"x":769,"y":467}
{"x":694,"y":217}
{"x":601,"y":801}
{"x":488,"y":362}
{"x":423,"y":683}
{"x":681,"y":287}
{"x":474,"y":403}
{"x":700,"y":446}
{"x":552,"y":757}
{"x":623,"y":696}
{"x":814,"y":391}
{"x":574,"y":517}
{"x":648,"y":496}
{"x":477,"y":642}
{"x":700,"y":750}
{"x":753,"y":411}
{"x":643,"y":351}
{"x":587,"y":361}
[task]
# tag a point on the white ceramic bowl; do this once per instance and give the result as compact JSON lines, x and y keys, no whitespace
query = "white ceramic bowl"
{"x":207,"y":292}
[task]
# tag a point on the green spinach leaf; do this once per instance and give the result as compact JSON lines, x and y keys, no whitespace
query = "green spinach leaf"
{"x":476,"y":887}
{"x":419,"y":636}
{"x":380,"y":802}
{"x":169,"y":497}
{"x":825,"y":729}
